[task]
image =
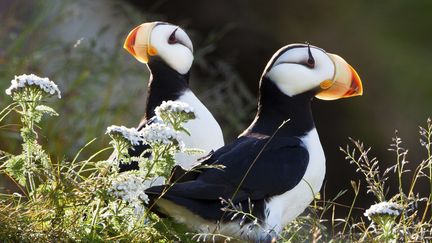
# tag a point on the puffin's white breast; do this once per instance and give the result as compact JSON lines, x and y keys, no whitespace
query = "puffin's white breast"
{"x":205,"y":131}
{"x":286,"y":207}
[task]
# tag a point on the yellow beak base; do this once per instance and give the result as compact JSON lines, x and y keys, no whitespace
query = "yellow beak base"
{"x":345,"y":83}
{"x":137,"y":42}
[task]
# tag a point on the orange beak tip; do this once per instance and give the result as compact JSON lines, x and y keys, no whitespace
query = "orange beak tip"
{"x":356,"y":83}
{"x":130,"y":41}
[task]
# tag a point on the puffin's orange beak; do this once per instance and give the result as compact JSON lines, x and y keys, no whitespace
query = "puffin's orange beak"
{"x":345,"y":83}
{"x":138,"y":43}
{"x":130,"y":41}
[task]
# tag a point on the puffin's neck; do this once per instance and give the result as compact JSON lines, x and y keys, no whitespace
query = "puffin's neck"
{"x":165,"y":84}
{"x":274,"y":108}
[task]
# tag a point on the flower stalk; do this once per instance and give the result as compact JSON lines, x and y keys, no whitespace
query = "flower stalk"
{"x":29,"y":92}
{"x":155,"y":164}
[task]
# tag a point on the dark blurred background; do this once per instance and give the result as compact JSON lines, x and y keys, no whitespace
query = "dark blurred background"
{"x":78,"y":44}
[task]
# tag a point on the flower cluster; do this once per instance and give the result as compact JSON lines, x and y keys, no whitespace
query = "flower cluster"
{"x":131,"y":135}
{"x":383,"y":209}
{"x":163,"y":138}
{"x":158,"y":133}
{"x":173,"y":107}
{"x":43,"y":84}
{"x":174,"y":113}
{"x":151,"y":134}
{"x":130,"y":188}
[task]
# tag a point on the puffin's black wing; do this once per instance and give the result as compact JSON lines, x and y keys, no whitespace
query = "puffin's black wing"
{"x":255,"y":169}
{"x":178,"y":174}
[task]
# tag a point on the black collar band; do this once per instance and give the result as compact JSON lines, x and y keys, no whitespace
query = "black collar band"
{"x":165,"y":84}
{"x":274,"y":107}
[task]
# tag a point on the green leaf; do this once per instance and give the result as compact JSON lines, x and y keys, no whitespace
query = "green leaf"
{"x":46,"y":110}
{"x":16,"y":169}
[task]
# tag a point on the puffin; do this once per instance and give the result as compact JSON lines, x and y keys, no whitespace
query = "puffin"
{"x":167,"y":51}
{"x":253,"y":187}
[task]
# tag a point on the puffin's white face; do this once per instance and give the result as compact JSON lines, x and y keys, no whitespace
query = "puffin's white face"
{"x":298,"y":68}
{"x":167,"y":41}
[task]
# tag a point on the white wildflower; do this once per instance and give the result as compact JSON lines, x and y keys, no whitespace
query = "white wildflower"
{"x":22,"y":81}
{"x":173,"y":107}
{"x":383,"y":208}
{"x":130,"y":188}
{"x":159,"y":133}
{"x":130,"y":134}
{"x":174,"y":114}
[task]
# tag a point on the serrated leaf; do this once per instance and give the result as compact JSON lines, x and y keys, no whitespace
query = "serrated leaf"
{"x":46,"y":110}
{"x":15,"y":167}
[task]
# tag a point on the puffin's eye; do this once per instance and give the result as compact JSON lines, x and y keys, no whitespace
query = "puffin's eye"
{"x":172,"y":39}
{"x":311,"y":61}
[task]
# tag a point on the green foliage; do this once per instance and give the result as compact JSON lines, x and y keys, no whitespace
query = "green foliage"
{"x":82,"y":69}
{"x":90,"y":201}
{"x":85,"y":200}
{"x":15,"y":166}
{"x":403,"y":217}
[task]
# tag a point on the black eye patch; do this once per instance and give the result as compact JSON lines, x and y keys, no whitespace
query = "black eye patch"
{"x":172,"y":38}
{"x":311,"y":60}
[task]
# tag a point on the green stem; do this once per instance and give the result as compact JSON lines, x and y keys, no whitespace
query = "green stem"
{"x":8,"y":110}
{"x":356,"y":191}
{"x":429,"y":135}
{"x":429,"y":152}
{"x":119,"y":154}
{"x":156,"y":156}
{"x":95,"y":216}
{"x":26,"y":124}
{"x":387,"y":231}
{"x":401,"y":194}
{"x":28,"y":105}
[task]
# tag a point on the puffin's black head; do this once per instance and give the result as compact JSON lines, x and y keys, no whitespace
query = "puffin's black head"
{"x":163,"y":41}
{"x":298,"y":68}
